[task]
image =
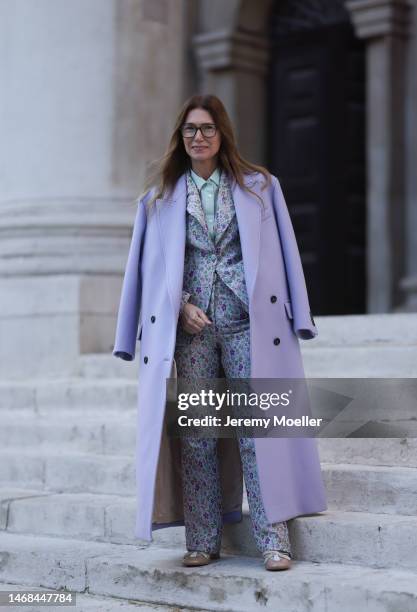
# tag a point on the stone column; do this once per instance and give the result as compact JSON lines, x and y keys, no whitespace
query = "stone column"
{"x":384,"y":25}
{"x":409,"y":282}
{"x":85,"y":105}
{"x":233,"y":64}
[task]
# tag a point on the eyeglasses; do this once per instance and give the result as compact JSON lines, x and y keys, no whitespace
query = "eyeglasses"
{"x":189,"y":130}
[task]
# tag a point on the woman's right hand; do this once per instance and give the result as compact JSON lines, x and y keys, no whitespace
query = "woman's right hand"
{"x":193,"y":318}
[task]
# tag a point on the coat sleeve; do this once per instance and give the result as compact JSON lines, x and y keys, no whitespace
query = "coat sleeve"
{"x":130,"y":300}
{"x":303,"y":322}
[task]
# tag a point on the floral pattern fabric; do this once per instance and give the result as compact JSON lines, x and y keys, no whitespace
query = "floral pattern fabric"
{"x":223,"y":345}
{"x":205,"y":257}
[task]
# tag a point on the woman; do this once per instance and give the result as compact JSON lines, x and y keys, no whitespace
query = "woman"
{"x":215,"y":274}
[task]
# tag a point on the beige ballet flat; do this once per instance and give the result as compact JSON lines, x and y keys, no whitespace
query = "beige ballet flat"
{"x":194,"y":558}
{"x":275,"y":560}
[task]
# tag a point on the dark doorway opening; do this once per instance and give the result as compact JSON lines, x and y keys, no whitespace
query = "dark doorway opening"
{"x":316,"y":146}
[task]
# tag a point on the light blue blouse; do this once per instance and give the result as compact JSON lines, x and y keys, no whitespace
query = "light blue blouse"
{"x":208,"y":190}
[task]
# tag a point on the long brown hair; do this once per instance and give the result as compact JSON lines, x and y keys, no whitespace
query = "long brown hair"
{"x":176,"y":160}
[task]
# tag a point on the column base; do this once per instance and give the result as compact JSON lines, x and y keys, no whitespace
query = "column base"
{"x":48,"y":322}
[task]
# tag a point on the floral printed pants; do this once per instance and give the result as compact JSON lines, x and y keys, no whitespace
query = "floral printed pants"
{"x":227,"y":343}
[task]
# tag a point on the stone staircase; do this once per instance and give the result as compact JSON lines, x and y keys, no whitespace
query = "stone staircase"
{"x":67,"y":505}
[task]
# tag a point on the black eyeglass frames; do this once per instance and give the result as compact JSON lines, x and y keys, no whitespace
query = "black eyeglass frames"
{"x":189,"y":130}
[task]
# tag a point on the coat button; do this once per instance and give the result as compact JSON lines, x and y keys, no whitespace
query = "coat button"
{"x":152,"y":319}
{"x":277,"y":340}
{"x":145,"y":359}
{"x":273,"y":298}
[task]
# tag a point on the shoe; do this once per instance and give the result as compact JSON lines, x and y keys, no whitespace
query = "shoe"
{"x":276,"y":560}
{"x":194,"y":558}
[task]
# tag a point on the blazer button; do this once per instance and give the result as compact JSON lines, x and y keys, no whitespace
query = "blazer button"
{"x":277,"y":340}
{"x":145,"y":359}
{"x":273,"y":298}
{"x":152,"y":319}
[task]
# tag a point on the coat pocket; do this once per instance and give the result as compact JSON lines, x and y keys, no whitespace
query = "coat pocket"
{"x":288,"y":309}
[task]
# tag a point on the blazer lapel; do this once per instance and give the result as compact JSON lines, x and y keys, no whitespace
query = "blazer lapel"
{"x":225,"y":210}
{"x":171,"y":214}
{"x":194,"y":205}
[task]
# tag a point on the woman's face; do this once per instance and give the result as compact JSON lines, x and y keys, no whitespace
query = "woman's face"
{"x":201,"y":148}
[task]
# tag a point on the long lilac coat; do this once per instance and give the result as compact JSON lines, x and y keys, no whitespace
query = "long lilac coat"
{"x":289,"y":468}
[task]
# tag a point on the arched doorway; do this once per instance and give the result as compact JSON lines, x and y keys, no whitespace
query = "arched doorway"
{"x":316,"y":145}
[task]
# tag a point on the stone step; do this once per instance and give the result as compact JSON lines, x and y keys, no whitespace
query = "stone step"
{"x":92,"y":603}
{"x":68,"y":472}
{"x":360,"y":488}
{"x":156,"y":575}
{"x":372,"y":540}
{"x":364,"y":360}
{"x":366,"y":345}
{"x":97,"y":432}
{"x":379,"y":489}
{"x":105,"y":365}
{"x":111,"y":431}
{"x":84,"y":516}
{"x":360,"y":361}
{"x":116,"y":396}
{"x":76,"y":394}
{"x":378,"y":330}
{"x":400,"y":452}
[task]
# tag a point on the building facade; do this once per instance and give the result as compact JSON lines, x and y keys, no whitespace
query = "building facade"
{"x":322,"y":92}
